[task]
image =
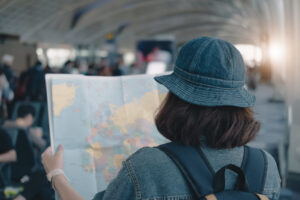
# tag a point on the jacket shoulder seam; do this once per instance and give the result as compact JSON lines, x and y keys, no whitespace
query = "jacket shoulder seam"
{"x":133,"y":177}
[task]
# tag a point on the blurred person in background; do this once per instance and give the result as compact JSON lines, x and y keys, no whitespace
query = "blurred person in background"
{"x":6,"y":67}
{"x":253,"y":75}
{"x":21,"y":85}
{"x":36,"y":85}
{"x":7,"y":155}
{"x":47,"y":69}
{"x":134,"y":69}
{"x":34,"y":183}
{"x":36,"y":187}
{"x":7,"y":152}
{"x":83,"y":66}
{"x":104,"y":71}
{"x":157,"y":54}
{"x":124,"y":68}
{"x":68,"y":67}
{"x":6,"y":95}
{"x":116,"y":70}
{"x":25,"y":120}
{"x":91,"y":70}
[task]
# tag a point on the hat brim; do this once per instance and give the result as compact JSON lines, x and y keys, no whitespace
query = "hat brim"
{"x":199,"y":94}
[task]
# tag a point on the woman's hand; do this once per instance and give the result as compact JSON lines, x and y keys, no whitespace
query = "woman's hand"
{"x":53,"y":161}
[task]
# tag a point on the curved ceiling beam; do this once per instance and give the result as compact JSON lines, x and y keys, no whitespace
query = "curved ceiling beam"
{"x":195,"y":32}
{"x":165,"y":17}
{"x":170,"y":24}
{"x":147,"y":18}
{"x":184,"y":36}
{"x":106,"y":13}
{"x":139,"y":10}
{"x":188,"y":17}
{"x":105,"y":25}
{"x":4,"y":4}
{"x":258,"y":25}
{"x":55,"y":15}
{"x":213,"y":31}
{"x":200,"y":29}
{"x":176,"y":23}
{"x":80,"y":12}
{"x":212,"y":26}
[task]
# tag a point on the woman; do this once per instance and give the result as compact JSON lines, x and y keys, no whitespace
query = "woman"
{"x":207,"y":107}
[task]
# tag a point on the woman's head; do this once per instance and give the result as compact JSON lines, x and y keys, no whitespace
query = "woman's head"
{"x":220,"y":126}
{"x":207,"y":96}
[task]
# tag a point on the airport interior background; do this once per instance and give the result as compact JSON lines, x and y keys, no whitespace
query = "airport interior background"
{"x":128,"y":37}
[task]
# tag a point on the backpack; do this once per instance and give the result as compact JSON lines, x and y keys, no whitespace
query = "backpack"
{"x":206,"y":184}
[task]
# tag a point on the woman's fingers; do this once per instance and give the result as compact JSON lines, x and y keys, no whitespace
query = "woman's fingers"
{"x":48,"y":151}
{"x":53,"y":161}
{"x":44,"y":162}
{"x":59,"y":150}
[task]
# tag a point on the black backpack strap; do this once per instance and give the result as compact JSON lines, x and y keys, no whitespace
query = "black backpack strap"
{"x":193,"y":166}
{"x":255,"y":169}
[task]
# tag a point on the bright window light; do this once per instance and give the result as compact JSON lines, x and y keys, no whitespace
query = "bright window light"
{"x":84,"y":52}
{"x":276,"y":52}
{"x":156,"y":67}
{"x":129,"y":58}
{"x":39,"y":51}
{"x":41,"y":56}
{"x":101,"y":53}
{"x":252,"y":54}
{"x":57,"y":56}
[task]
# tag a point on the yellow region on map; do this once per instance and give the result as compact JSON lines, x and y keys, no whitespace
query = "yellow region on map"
{"x":118,"y":159}
{"x":95,"y":150}
{"x":62,"y":97}
{"x":142,"y":108}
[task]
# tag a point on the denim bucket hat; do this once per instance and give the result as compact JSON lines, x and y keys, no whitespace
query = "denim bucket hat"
{"x":209,"y":72}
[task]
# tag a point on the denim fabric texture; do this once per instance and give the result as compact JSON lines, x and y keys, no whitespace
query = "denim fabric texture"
{"x":209,"y":72}
{"x":149,"y":174}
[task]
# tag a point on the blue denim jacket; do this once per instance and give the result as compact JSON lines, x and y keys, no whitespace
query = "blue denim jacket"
{"x":149,"y":174}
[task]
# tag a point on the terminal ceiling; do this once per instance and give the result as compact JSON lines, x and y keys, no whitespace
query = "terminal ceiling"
{"x":86,"y":22}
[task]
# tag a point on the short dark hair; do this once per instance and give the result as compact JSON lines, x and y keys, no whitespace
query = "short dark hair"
{"x":25,"y":110}
{"x":220,"y":127}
